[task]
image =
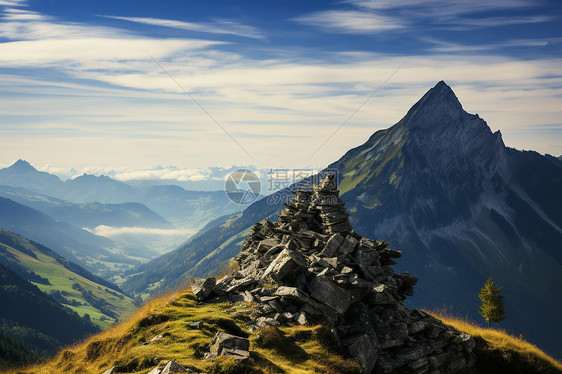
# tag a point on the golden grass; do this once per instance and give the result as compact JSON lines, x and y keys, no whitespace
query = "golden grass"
{"x":505,"y":349}
{"x":125,"y":344}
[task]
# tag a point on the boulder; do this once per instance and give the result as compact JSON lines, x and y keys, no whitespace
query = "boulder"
{"x":363,"y":349}
{"x":332,"y":245}
{"x":202,"y":288}
{"x":327,"y":292}
{"x":347,"y":246}
{"x":173,"y":367}
{"x":233,"y":346}
{"x":286,"y":266}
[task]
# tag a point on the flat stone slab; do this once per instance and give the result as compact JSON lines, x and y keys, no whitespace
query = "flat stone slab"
{"x":327,"y":292}
{"x":225,"y":344}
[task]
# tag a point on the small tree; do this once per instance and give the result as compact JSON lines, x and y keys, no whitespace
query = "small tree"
{"x":492,"y":303}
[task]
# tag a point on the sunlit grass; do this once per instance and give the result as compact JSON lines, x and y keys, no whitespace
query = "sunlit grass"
{"x":126,"y":345}
{"x":498,"y":348}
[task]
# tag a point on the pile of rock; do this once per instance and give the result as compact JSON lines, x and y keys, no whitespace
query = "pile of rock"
{"x":311,"y":267}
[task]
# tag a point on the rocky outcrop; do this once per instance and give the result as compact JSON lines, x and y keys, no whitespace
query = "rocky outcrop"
{"x":310,"y":267}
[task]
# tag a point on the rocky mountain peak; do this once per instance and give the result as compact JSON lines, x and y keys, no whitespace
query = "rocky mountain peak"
{"x":22,"y":165}
{"x":310,"y":267}
{"x":438,"y":108}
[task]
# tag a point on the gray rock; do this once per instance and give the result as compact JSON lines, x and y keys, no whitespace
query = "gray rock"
{"x":196,"y":325}
{"x":286,"y":266}
{"x":332,"y":245}
{"x":347,"y":246}
{"x":363,"y":349}
{"x":225,"y":344}
{"x":262,"y":322}
{"x":327,"y":292}
{"x":266,"y":245}
{"x":174,"y":367}
{"x":202,"y":288}
{"x":110,"y":371}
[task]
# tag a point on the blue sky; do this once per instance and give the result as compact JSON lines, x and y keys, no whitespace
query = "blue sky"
{"x":86,"y":84}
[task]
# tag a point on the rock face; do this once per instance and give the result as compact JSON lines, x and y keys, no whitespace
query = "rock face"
{"x":311,"y":267}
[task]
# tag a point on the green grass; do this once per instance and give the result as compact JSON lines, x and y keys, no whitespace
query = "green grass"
{"x":301,"y":350}
{"x":62,"y":279}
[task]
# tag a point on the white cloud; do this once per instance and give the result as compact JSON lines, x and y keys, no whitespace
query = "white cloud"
{"x":109,"y":231}
{"x":12,"y":2}
{"x":443,"y":8}
{"x":448,"y":47}
{"x":350,"y":21}
{"x":217,"y":27}
{"x":14,"y":14}
{"x":378,"y":16}
{"x":498,"y":21}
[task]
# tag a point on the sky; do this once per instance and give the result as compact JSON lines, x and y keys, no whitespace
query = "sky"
{"x":131,"y":85}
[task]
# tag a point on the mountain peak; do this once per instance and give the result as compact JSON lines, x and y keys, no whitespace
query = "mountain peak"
{"x":22,"y":165}
{"x":441,"y":94}
{"x":439,"y":108}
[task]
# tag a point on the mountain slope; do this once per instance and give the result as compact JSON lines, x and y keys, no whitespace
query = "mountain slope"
{"x":441,"y":186}
{"x":66,"y":282}
{"x":88,"y":215}
{"x":35,"y":320}
{"x":97,"y":254}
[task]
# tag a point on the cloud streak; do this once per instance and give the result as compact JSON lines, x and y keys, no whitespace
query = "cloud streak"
{"x":111,"y":232}
{"x":375,"y":17}
{"x":351,"y":21}
{"x":216,"y":27}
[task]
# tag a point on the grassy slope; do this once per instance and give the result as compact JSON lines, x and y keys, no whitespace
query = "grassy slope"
{"x":295,"y":349}
{"x":291,"y":350}
{"x":499,"y":352}
{"x":62,"y":279}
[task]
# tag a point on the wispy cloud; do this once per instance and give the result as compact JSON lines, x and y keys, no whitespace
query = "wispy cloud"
{"x":441,"y":8}
{"x":14,"y":14}
{"x":351,"y":21}
{"x":12,"y":2}
{"x":374,"y":16}
{"x":216,"y":27}
{"x":111,"y":232}
{"x":442,"y":46}
{"x":182,"y":175}
{"x":496,"y":21}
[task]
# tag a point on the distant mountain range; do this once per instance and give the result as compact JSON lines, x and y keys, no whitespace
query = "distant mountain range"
{"x":445,"y":190}
{"x":89,"y":215}
{"x":185,"y":209}
{"x":125,"y":225}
